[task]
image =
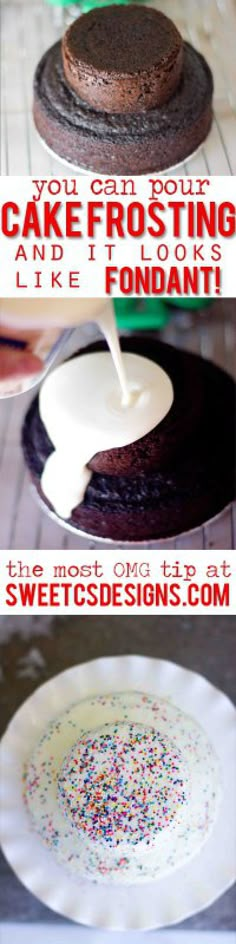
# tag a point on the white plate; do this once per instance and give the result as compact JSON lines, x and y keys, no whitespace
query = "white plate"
{"x":168,"y":900}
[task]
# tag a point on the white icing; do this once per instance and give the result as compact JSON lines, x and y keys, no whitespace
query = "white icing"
{"x":92,"y":403}
{"x":85,"y":411}
{"x":123,"y":785}
{"x":67,"y":810}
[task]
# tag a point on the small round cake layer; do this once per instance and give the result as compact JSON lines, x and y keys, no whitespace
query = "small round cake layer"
{"x":158,"y":447}
{"x":194,"y":482}
{"x":123,"y":59}
{"x":109,"y":143}
{"x":123,"y":784}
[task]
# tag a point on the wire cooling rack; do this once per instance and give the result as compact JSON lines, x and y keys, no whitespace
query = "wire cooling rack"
{"x":22,"y":522}
{"x":29,"y":28}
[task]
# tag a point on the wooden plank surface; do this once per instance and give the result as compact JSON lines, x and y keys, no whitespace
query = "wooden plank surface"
{"x":21,"y":934}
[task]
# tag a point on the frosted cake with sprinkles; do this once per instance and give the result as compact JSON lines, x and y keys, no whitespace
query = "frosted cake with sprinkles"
{"x":123,"y":788}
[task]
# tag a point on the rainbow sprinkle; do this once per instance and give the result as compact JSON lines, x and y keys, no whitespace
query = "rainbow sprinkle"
{"x":123,"y":784}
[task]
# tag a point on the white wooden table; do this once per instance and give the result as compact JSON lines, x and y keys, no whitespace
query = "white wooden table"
{"x":26,"y":934}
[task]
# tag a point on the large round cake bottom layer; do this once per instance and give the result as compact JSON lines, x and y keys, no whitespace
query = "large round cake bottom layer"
{"x":151,"y":140}
{"x":196,"y":484}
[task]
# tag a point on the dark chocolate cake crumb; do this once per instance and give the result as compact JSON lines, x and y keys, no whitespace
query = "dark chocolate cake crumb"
{"x":123,"y":59}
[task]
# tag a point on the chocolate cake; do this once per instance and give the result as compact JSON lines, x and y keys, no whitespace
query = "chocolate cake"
{"x":161,"y":109}
{"x":120,"y":60}
{"x":171,"y":480}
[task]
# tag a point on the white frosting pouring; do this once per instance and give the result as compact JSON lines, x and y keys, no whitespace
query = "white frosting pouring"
{"x":38,"y":313}
{"x":85,"y":411}
{"x":40,"y":322}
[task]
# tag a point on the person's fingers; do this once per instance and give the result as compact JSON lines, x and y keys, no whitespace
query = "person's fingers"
{"x":30,"y":337}
{"x":18,"y":364}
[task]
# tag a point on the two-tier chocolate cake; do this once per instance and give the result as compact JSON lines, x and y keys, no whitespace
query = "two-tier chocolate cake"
{"x":178,"y":475}
{"x":122,"y":93}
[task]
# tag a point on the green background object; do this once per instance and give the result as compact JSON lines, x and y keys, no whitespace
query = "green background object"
{"x":139,"y":314}
{"x":135,"y":314}
{"x":189,"y":303}
{"x":85,"y":5}
{"x":62,"y":3}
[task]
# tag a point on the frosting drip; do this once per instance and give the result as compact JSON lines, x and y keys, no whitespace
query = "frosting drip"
{"x":86,"y":410}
